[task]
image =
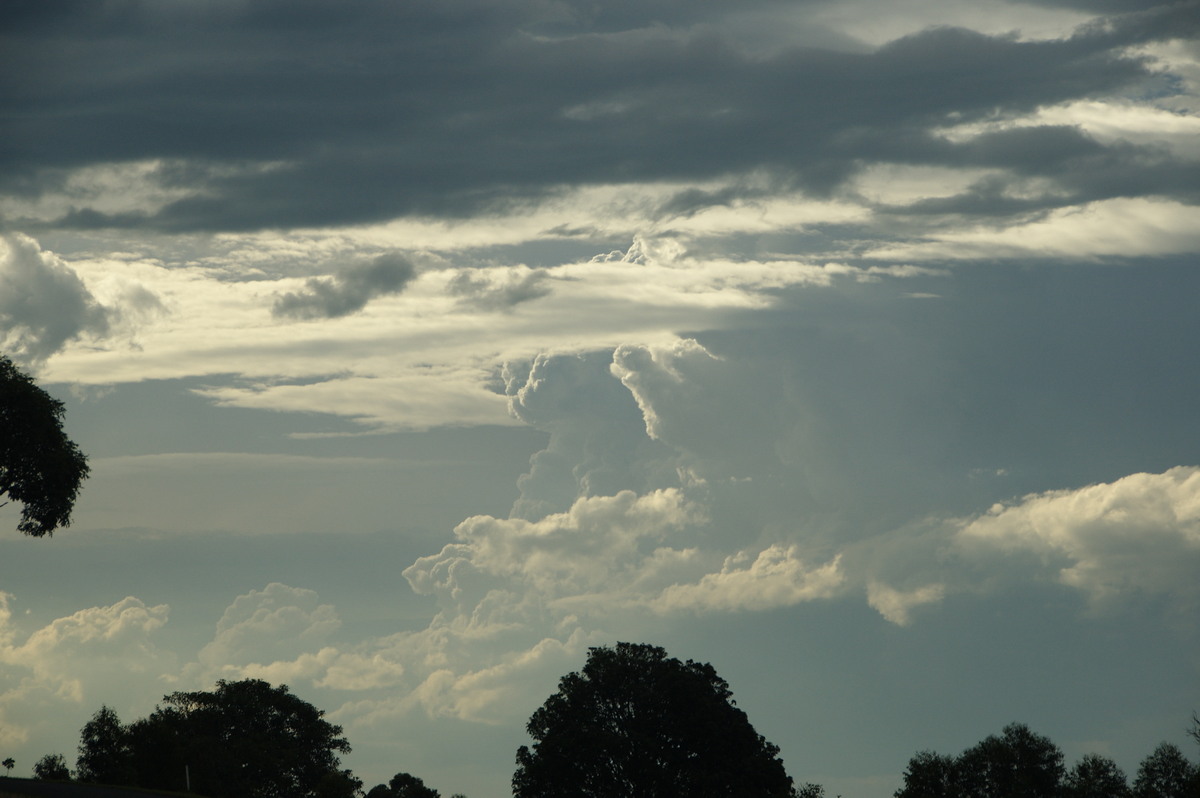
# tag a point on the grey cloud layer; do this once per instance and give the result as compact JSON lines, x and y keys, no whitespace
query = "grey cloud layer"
{"x":316,"y":113}
{"x":347,"y":291}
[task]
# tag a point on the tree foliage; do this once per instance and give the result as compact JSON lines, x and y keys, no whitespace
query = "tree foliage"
{"x":1021,"y":764}
{"x":1096,"y":776}
{"x":9,"y":764}
{"x":40,"y":467}
{"x":1016,"y":764}
{"x":104,"y":753}
{"x":245,"y":739}
{"x":403,"y":785}
{"x":52,"y":767}
{"x":1166,"y":773}
{"x":930,"y":775}
{"x":637,"y":723}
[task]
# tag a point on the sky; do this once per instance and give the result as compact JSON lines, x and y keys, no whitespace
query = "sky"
{"x":416,"y":347}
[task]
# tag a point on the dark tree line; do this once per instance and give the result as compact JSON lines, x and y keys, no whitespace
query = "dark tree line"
{"x":632,"y":722}
{"x":1021,"y":764}
{"x":245,"y":739}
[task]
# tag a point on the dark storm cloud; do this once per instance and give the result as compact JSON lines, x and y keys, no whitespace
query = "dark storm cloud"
{"x":348,"y":291}
{"x":297,"y":114}
{"x":1080,"y":168}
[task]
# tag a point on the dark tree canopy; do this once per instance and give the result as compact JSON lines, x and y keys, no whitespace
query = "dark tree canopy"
{"x":637,"y":724}
{"x":51,"y":767}
{"x":930,"y":775}
{"x":246,"y":739}
{"x":1166,"y":773}
{"x":403,"y":785}
{"x":39,"y":466}
{"x":104,"y":754}
{"x":1016,"y":764}
{"x":1096,"y":776}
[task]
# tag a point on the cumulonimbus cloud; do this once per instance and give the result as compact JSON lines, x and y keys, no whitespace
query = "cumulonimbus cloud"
{"x":348,"y":290}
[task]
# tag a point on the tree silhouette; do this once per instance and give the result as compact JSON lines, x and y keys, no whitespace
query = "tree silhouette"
{"x":1016,"y":764}
{"x":930,"y":775}
{"x":246,"y":739}
{"x":1096,"y":776}
{"x":104,"y":753}
{"x":339,"y":784}
{"x":39,"y":466}
{"x":637,"y":724}
{"x":1166,"y":773}
{"x":9,"y":764}
{"x":403,"y":785}
{"x":51,"y":767}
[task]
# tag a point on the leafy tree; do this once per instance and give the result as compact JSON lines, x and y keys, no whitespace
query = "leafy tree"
{"x":1166,"y":773}
{"x":637,"y":724}
{"x":1017,"y":764}
{"x":9,"y":764}
{"x":810,"y":790}
{"x":403,"y":785}
{"x":930,"y":775}
{"x":52,"y":767}
{"x":1096,"y":776}
{"x":339,"y":784}
{"x":246,"y":739}
{"x":104,"y":753}
{"x":39,"y":466}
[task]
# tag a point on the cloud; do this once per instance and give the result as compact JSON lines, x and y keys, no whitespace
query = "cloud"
{"x":43,"y":302}
{"x":489,"y":291}
{"x":602,"y":545}
{"x":269,"y":624}
{"x":282,"y":634}
{"x":347,"y":291}
{"x":1119,"y":228}
{"x":896,"y":605}
{"x":1137,"y":535}
{"x":597,"y":446}
{"x":73,"y":660}
{"x":774,"y":577}
{"x":655,"y":94}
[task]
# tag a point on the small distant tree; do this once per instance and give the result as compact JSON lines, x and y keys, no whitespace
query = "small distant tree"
{"x":52,"y":767}
{"x":9,"y":764}
{"x":1096,"y":776}
{"x":635,"y":722}
{"x":1166,"y":773}
{"x":40,"y":467}
{"x":403,"y":785}
{"x":810,"y":790}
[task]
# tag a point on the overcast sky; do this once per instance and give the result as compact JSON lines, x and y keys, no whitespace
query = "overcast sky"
{"x":418,"y":346}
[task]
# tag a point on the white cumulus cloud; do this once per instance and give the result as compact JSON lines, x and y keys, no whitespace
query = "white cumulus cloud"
{"x":1139,"y":534}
